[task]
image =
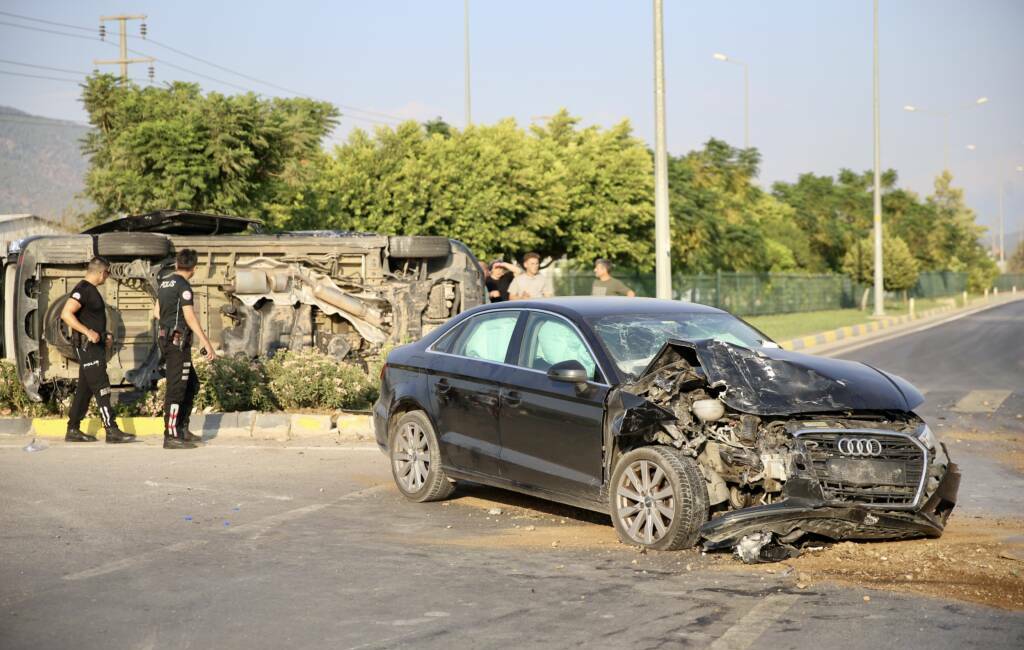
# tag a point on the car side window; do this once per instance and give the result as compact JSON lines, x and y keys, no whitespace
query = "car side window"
{"x":548,"y":340}
{"x":486,"y":336}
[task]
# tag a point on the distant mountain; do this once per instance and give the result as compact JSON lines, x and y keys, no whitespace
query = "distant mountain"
{"x":42,"y":168}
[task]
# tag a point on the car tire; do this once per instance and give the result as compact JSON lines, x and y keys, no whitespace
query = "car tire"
{"x":132,"y":244}
{"x":418,"y":247}
{"x":657,"y":485}
{"x":57,"y":334}
{"x":416,"y":459}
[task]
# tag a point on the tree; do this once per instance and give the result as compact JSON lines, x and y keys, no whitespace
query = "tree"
{"x":556,"y":189}
{"x":174,"y":147}
{"x":1016,"y":262}
{"x":899,"y":268}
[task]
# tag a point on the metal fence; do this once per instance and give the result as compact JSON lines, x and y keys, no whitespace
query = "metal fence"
{"x":1007,"y":281}
{"x":756,"y":294}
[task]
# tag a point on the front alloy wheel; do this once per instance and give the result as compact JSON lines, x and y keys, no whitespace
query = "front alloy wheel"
{"x":658,"y":499}
{"x":415,"y":459}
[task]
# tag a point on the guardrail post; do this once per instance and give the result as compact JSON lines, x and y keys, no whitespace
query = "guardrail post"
{"x":718,"y":288}
{"x":912,"y":314}
{"x":965,"y":298}
{"x":986,"y":293}
{"x":995,"y":292}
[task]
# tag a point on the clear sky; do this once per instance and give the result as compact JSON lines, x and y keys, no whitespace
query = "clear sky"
{"x":810,"y":70}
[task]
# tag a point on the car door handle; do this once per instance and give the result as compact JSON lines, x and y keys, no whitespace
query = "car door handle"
{"x":513,"y":398}
{"x":442,"y":387}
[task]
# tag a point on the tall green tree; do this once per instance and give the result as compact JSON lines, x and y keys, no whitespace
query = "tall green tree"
{"x":174,"y":147}
{"x":899,"y":267}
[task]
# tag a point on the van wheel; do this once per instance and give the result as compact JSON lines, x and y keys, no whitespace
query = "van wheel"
{"x":416,"y":459}
{"x":132,"y":244}
{"x":658,"y":499}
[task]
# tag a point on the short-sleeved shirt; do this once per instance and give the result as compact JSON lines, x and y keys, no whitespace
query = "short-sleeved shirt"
{"x":174,"y":294}
{"x":534,"y":286}
{"x":609,"y":287}
{"x":500,"y":285}
{"x":93,"y":313}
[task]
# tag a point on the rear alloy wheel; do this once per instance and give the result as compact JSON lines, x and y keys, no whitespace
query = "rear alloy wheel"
{"x":658,"y":499}
{"x":416,"y":460}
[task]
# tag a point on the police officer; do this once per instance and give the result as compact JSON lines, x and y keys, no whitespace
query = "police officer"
{"x":86,"y":316}
{"x":178,"y":323}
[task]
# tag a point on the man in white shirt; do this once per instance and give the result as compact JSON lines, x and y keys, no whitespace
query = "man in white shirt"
{"x":531,"y":284}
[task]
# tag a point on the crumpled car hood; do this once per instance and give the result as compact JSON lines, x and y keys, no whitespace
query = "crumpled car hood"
{"x":773,"y":381}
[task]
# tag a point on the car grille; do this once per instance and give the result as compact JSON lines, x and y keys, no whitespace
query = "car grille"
{"x":889,"y":475}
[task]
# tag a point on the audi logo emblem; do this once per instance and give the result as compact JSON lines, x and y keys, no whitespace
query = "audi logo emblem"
{"x":859,"y":447}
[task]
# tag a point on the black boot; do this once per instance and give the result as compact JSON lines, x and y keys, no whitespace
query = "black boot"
{"x":170,"y":442}
{"x":191,"y":437}
{"x":115,"y":436}
{"x":77,"y":435}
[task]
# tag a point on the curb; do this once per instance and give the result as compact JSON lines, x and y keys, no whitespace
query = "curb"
{"x":860,"y":332}
{"x":247,"y":425}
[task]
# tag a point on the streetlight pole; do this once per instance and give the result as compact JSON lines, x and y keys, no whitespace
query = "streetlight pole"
{"x":465,"y":46}
{"x":662,"y":236}
{"x":718,"y":56}
{"x":879,"y":276}
{"x":947,"y":118}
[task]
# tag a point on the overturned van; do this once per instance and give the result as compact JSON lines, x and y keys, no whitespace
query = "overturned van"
{"x":345,"y":294}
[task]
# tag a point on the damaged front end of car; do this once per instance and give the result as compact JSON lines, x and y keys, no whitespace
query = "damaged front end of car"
{"x":793,"y":448}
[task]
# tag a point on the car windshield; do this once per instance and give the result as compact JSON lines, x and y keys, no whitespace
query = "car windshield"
{"x":633,"y":339}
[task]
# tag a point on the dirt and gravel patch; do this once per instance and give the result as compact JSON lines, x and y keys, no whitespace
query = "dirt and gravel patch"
{"x":977,"y":559}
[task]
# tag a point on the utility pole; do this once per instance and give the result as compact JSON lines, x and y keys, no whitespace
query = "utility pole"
{"x":662,"y":236}
{"x":879,"y":275}
{"x":123,"y":60}
{"x":465,"y":39}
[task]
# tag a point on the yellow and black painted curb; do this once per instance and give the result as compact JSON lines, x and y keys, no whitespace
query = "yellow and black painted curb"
{"x":863,"y":329}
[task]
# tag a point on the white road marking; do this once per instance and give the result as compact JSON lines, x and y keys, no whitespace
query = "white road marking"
{"x":258,"y":528}
{"x":981,"y":401}
{"x":128,"y":562}
{"x":748,"y":629}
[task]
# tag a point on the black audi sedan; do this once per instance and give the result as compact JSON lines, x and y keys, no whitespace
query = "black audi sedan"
{"x":680,"y":421}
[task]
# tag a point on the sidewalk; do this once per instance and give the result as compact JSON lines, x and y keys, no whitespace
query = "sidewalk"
{"x":886,"y":327}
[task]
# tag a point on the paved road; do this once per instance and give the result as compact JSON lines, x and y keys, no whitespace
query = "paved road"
{"x":971,"y":371}
{"x":134,"y":547}
{"x":236,"y":547}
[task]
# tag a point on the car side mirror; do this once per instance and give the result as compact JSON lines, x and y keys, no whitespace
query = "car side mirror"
{"x":571,"y":371}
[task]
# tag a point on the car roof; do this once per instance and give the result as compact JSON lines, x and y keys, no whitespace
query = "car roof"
{"x":587,"y":307}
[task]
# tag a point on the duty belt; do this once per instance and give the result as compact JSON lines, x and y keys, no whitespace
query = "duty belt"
{"x":178,"y":338}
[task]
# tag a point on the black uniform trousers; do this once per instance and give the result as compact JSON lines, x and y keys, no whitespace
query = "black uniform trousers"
{"x":92,"y":383}
{"x":182,"y":386}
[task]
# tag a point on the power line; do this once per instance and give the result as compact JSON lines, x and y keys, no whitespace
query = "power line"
{"x":46,"y":22}
{"x":39,"y":76}
{"x":347,"y":107}
{"x":43,"y":67}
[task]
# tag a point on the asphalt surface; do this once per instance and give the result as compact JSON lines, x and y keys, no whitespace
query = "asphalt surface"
{"x":971,"y":371}
{"x":131,"y":546}
{"x":135,"y":547}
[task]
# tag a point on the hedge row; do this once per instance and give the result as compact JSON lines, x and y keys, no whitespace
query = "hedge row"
{"x":288,"y":381}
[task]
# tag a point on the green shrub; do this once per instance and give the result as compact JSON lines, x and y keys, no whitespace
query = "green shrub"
{"x":232,"y":384}
{"x":13,"y":400}
{"x":308,"y":379}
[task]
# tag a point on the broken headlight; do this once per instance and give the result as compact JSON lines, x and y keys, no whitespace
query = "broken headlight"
{"x":926,"y":436}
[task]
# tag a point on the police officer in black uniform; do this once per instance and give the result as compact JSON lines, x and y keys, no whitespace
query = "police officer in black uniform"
{"x":86,"y":315}
{"x":178,"y":323}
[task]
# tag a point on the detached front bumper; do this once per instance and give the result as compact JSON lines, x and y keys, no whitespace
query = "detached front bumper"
{"x":808,"y":513}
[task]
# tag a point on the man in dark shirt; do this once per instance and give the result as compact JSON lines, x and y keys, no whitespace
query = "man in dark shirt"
{"x":178,"y":322}
{"x":605,"y":284}
{"x":86,"y":315}
{"x":499,"y":279}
